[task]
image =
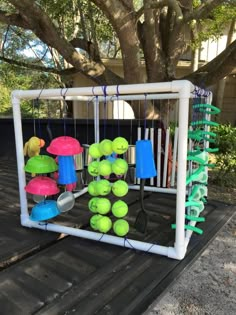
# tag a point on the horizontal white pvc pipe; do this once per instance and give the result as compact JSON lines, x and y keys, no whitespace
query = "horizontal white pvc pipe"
{"x":112,"y":98}
{"x":174,"y":86}
{"x":105,"y":238}
{"x":154,"y":189}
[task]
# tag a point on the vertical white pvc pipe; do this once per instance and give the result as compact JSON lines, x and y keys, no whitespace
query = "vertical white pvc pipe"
{"x":174,"y":157}
{"x":20,"y":157}
{"x":181,"y":174}
{"x":139,"y":138}
{"x":207,"y":128}
{"x":152,"y":142}
{"x":139,"y":133}
{"x":96,"y":120}
{"x":166,"y":157}
{"x":159,"y":132}
{"x":146,"y":133}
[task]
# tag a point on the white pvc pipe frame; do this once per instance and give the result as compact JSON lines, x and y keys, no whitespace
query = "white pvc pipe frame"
{"x":179,"y":89}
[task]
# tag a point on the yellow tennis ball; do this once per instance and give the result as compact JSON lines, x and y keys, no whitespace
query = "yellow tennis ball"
{"x":119,"y":209}
{"x":94,"y":151}
{"x":104,"y":168}
{"x":103,"y":205}
{"x":92,"y":189}
{"x":104,"y":224}
{"x":94,"y":220}
{"x":105,"y":147}
{"x":121,"y":227}
{"x":120,"y":188}
{"x":93,"y":204}
{"x":119,"y":167}
{"x":120,"y":145}
{"x":103,"y":187}
{"x":93,"y":168}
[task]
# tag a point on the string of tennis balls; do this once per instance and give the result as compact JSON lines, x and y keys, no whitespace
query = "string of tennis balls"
{"x":102,"y":206}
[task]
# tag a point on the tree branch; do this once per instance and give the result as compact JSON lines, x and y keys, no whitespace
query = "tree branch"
{"x":87,"y":46}
{"x":13,"y":19}
{"x":23,"y":64}
{"x":161,"y":4}
{"x":216,"y":69}
{"x":39,"y":22}
{"x":203,"y":10}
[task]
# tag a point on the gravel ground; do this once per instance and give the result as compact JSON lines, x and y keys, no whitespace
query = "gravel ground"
{"x":209,"y":286}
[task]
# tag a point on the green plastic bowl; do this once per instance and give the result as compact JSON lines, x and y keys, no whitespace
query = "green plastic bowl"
{"x":41,"y":164}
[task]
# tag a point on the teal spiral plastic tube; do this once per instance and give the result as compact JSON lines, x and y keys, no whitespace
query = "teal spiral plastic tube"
{"x":207,"y":109}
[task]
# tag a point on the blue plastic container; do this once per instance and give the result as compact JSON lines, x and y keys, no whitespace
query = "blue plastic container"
{"x":44,"y":210}
{"x":145,"y":165}
{"x":67,"y":173}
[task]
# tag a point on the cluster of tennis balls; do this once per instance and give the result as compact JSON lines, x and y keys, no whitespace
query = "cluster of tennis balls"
{"x":105,"y":167}
{"x":106,"y":147}
{"x":102,"y":206}
{"x":103,"y":224}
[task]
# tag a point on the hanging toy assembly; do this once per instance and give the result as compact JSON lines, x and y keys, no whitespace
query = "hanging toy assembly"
{"x":186,"y":177}
{"x":200,"y":137}
{"x":101,"y":207}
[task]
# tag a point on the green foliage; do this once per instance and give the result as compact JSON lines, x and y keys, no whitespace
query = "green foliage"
{"x":13,"y":78}
{"x":214,"y":26}
{"x":226,"y":157}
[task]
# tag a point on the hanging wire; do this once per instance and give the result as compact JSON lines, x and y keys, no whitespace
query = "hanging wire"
{"x":118,"y":109}
{"x":104,"y":89}
{"x":49,"y":124}
{"x":87,"y":128}
{"x":64,"y":110}
{"x":39,"y":124}
{"x":131,"y":130}
{"x":153,"y":113}
{"x":75,"y":131}
{"x":139,"y":111}
{"x":33,"y":114}
{"x":145,"y":112}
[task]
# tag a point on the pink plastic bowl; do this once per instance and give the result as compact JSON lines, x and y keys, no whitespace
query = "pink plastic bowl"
{"x":42,"y":185}
{"x":64,"y":146}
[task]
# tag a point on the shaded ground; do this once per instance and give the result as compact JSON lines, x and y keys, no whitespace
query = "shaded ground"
{"x":209,"y":286}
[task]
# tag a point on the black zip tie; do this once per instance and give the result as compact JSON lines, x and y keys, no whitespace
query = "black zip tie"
{"x":44,"y":224}
{"x":127,"y":240}
{"x":101,"y":237}
{"x":154,"y":244}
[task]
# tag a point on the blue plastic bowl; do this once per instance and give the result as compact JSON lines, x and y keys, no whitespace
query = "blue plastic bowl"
{"x":44,"y":210}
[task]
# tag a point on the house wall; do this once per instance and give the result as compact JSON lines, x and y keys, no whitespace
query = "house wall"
{"x":228,"y":110}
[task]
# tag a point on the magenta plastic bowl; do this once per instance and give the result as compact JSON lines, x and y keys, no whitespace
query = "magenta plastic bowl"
{"x":64,"y":146}
{"x":42,"y":185}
